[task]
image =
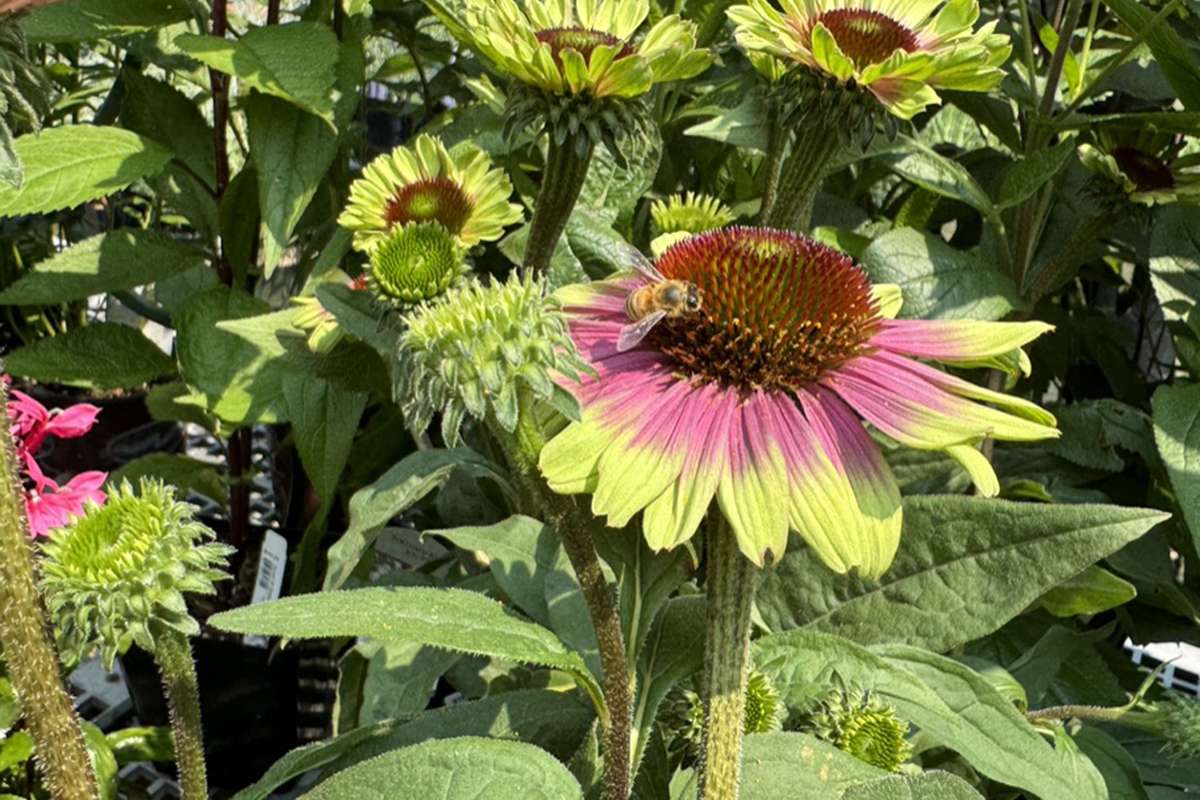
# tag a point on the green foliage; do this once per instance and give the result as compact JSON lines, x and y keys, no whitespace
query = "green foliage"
{"x":82,"y":20}
{"x":1177,"y":431}
{"x":102,"y":356}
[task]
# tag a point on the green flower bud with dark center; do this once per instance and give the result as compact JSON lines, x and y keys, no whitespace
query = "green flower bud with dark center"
{"x":112,"y":574}
{"x":415,"y":262}
{"x":474,"y":348}
{"x":864,"y":727}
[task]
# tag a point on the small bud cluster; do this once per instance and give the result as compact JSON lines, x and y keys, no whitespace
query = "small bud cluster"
{"x":863,"y":726}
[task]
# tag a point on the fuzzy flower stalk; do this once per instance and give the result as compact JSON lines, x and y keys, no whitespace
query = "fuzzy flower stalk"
{"x":757,"y":400}
{"x":117,"y":576}
{"x":33,"y":664}
{"x":842,"y":69}
{"x":579,"y":70}
{"x":493,"y":352}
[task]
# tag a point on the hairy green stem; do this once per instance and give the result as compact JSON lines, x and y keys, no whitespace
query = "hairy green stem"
{"x":173,"y":653}
{"x":562,"y":180}
{"x":573,"y":526}
{"x":730,"y":589}
{"x":1066,"y":35}
{"x":1095,"y":713}
{"x":773,"y":167}
{"x":33,"y":664}
{"x":803,"y":173}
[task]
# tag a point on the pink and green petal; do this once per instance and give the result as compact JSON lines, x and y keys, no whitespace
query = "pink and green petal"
{"x":753,"y":490}
{"x":675,"y":515}
{"x":854,"y":453}
{"x":960,"y":342}
{"x":821,"y":503}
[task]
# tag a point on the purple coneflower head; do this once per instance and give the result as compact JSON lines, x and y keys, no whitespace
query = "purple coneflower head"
{"x":759,"y":400}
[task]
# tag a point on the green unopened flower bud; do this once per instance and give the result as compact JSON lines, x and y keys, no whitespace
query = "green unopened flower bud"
{"x":416,"y":262}
{"x":472,"y":349}
{"x":690,"y":213}
{"x":764,"y":709}
{"x":1178,"y":722}
{"x":112,"y":574}
{"x":864,"y":727}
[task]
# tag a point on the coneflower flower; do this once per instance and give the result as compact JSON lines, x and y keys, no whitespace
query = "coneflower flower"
{"x":758,"y":400}
{"x":426,"y":182}
{"x":1142,"y":166}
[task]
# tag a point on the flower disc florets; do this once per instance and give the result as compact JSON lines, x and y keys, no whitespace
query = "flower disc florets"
{"x":476,"y":348}
{"x":426,"y":182}
{"x":123,"y":567}
{"x":744,"y":337}
{"x":416,"y":262}
{"x":864,"y":727}
{"x":900,"y":52}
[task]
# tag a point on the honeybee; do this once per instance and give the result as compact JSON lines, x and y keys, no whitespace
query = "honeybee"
{"x":648,"y":305}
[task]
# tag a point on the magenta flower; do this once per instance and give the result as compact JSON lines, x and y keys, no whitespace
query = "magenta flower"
{"x":32,"y":422}
{"x":51,"y":506}
{"x":758,"y":400}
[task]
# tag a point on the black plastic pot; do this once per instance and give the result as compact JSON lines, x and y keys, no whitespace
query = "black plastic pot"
{"x":248,"y":701}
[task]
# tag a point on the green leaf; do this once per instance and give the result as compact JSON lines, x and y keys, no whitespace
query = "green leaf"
{"x":782,"y":766}
{"x":1177,"y":431}
{"x":955,"y":575}
{"x":100,"y":356}
{"x":1174,"y":55}
{"x":85,"y":20}
{"x":938,"y":281}
{"x":72,"y":164}
{"x":1175,"y":260}
{"x":1032,"y":172}
{"x":110,"y":262}
{"x":930,"y":170}
{"x":452,"y":619}
{"x":16,"y":748}
{"x":744,"y":125}
{"x":555,"y":721}
{"x":400,"y":487}
{"x":396,"y":680}
{"x":241,"y":379}
{"x":358,"y":314}
{"x":673,"y":652}
{"x":324,"y":420}
{"x":162,"y":113}
{"x":926,"y":786}
{"x":455,"y":769}
{"x":522,"y":553}
{"x":1115,"y":763}
{"x":1090,"y":592}
{"x":295,"y":62}
{"x":292,"y":151}
{"x":182,"y":472}
{"x":953,"y":707}
{"x":611,"y":189}
{"x":144,"y":743}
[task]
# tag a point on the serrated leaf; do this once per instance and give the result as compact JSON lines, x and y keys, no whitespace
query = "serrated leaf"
{"x":938,"y":281}
{"x":358,"y":313}
{"x":926,"y":786}
{"x":455,"y":769}
{"x":85,"y":20}
{"x":72,"y":164}
{"x":292,"y":151}
{"x":452,"y":619}
{"x":162,"y":113}
{"x":390,"y":680}
{"x":953,"y":577}
{"x":185,"y":473}
{"x":109,"y":262}
{"x":404,"y":484}
{"x":552,"y":720}
{"x":611,"y":189}
{"x":240,"y":378}
{"x":1026,"y":176}
{"x":744,"y":125}
{"x":931,"y":170}
{"x":295,"y":61}
{"x":781,"y":766}
{"x":1177,"y":432}
{"x":953,"y":707}
{"x":100,"y":356}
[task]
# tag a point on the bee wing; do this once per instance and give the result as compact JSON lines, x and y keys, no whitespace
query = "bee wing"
{"x":634,"y":332}
{"x":642,"y":264}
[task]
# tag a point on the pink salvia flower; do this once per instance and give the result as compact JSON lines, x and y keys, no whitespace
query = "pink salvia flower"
{"x":31,"y":421}
{"x":758,"y":400}
{"x":51,"y":506}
